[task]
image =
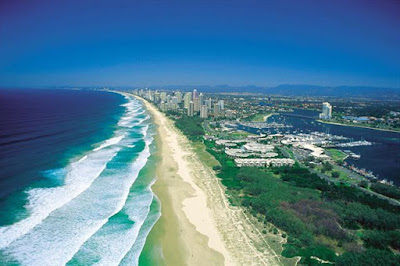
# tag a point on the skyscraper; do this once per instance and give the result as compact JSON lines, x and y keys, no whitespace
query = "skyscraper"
{"x":187,"y":99}
{"x":203,"y":111}
{"x":163,"y":106}
{"x":195,"y":95}
{"x":326,"y":111}
{"x":191,"y":109}
{"x":201,"y":98}
{"x":216,"y":110}
{"x":178,"y":95}
{"x":221,"y":104}
{"x":196,"y":103}
{"x":163,"y":96}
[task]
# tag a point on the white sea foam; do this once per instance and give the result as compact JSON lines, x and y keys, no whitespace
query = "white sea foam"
{"x":133,"y":122}
{"x":63,"y":232}
{"x":132,"y":257}
{"x":64,"y":218}
{"x":82,"y":159}
{"x":112,"y":242}
{"x":42,"y":201}
{"x":110,"y":142}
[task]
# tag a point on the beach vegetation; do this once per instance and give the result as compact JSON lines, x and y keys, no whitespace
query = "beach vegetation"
{"x":324,"y":221}
{"x":191,"y":127}
{"x":385,"y":189}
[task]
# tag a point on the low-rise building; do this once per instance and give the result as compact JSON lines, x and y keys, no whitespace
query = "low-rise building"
{"x":257,"y":147}
{"x":264,"y":162}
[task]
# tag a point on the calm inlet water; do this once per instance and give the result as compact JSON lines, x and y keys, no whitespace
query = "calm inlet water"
{"x":75,"y":174}
{"x":382,"y":158}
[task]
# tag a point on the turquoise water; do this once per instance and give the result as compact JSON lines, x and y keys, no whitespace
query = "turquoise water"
{"x":95,"y":205}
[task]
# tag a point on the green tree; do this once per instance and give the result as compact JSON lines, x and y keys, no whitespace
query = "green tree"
{"x":327,"y":166}
{"x":335,"y":174}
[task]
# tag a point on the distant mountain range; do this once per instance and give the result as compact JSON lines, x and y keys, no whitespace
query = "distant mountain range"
{"x":298,"y":90}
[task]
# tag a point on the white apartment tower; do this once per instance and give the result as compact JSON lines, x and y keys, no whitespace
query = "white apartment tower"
{"x":195,"y":95}
{"x":196,"y":103}
{"x":201,"y":98}
{"x":178,"y":95}
{"x":187,"y":99}
{"x":163,"y":96}
{"x":326,"y":111}
{"x":209,"y":103}
{"x":203,"y":111}
{"x":191,"y":109}
{"x":217,"y":110}
{"x":221,"y":104}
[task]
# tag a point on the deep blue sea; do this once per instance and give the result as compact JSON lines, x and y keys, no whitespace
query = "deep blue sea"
{"x":382,"y":158}
{"x":75,"y":174}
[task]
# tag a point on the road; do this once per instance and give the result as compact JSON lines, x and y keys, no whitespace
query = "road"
{"x":351,"y":175}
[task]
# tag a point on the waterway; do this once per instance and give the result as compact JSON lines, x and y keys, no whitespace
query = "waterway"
{"x":382,"y":158}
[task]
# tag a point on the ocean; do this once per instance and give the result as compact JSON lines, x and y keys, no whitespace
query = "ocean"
{"x":76,"y":169}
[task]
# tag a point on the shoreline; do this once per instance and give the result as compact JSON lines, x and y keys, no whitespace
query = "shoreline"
{"x":347,"y":125}
{"x":197,"y":218}
{"x":185,"y":230}
{"x":268,"y":115}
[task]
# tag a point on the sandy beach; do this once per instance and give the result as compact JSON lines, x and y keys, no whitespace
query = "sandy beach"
{"x":268,"y":115}
{"x":197,"y":225}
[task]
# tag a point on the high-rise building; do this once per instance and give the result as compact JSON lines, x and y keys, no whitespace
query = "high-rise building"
{"x":150,"y":95}
{"x":217,"y":110}
{"x":204,"y":111}
{"x":326,"y":111}
{"x":163,"y":106}
{"x":195,"y":95}
{"x":187,"y":99}
{"x":157,"y":97}
{"x":201,"y":98}
{"x":178,"y":95}
{"x":163,"y":96}
{"x":209,"y":103}
{"x":196,"y":104}
{"x":191,"y":109}
{"x":221,"y":104}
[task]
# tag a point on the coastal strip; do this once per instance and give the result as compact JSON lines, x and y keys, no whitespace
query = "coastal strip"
{"x":198,"y":226}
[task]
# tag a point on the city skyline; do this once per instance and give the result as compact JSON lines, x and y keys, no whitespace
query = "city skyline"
{"x":134,"y":43}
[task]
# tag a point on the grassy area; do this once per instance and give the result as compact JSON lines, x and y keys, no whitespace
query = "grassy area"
{"x":288,"y":152}
{"x":239,"y":134}
{"x":259,"y":117}
{"x":343,"y":176}
{"x":336,"y":155}
{"x":318,"y":217}
{"x":203,"y":155}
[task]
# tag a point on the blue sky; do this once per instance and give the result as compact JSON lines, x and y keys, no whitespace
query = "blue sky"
{"x":137,"y":43}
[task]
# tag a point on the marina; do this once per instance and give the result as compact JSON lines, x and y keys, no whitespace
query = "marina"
{"x":376,"y":151}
